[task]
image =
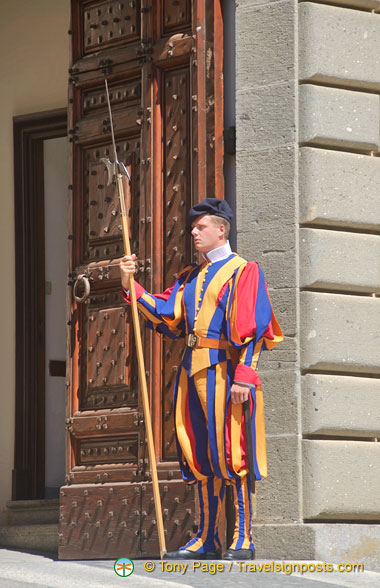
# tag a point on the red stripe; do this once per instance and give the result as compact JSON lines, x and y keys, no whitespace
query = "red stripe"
{"x":228,"y":437}
{"x":243,"y":438}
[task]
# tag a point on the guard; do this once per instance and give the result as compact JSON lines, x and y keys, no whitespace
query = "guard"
{"x":223,"y":310}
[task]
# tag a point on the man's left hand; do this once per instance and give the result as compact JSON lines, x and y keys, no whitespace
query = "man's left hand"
{"x":239,"y":393}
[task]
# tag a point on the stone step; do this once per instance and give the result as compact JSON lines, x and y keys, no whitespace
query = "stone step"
{"x":29,"y":512}
{"x":35,"y":538}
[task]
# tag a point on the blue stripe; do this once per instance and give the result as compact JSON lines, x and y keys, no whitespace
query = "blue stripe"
{"x":189,"y":298}
{"x":263,"y":310}
{"x":216,"y":323}
{"x":249,"y":354}
{"x":230,"y":377}
{"x":199,"y":428}
{"x":148,"y":306}
{"x":229,"y":311}
{"x":253,"y":429}
{"x":165,"y":308}
{"x":202,"y":518}
{"x":211,"y":385}
{"x":212,"y":512}
{"x":190,"y":288}
{"x":239,"y":493}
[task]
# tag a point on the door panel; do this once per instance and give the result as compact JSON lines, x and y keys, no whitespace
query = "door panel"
{"x":162,"y":92}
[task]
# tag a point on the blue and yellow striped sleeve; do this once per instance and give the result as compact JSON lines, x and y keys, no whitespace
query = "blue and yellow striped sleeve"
{"x":164,"y":312}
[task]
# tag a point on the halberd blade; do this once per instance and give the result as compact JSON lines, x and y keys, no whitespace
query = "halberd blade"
{"x":111,"y":169}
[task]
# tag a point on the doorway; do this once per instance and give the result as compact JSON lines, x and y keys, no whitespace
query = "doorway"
{"x":40,"y":154}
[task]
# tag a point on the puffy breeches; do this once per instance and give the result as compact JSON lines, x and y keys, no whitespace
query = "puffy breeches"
{"x":212,"y":452}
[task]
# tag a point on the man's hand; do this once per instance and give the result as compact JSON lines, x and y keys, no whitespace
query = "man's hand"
{"x":239,"y":393}
{"x":127,"y":268}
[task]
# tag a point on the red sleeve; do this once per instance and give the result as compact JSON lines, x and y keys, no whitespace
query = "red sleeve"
{"x":244,"y":373}
{"x":140,"y":291}
{"x":246,"y":295}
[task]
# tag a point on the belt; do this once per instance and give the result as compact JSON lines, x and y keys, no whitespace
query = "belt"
{"x":194,"y":341}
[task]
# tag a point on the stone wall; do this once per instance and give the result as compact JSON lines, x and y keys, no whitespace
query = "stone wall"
{"x":308,"y":210}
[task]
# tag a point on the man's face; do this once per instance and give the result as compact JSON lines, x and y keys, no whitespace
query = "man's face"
{"x":206,"y":235}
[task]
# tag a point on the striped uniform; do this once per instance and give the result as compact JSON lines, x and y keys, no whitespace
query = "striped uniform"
{"x":228,"y":301}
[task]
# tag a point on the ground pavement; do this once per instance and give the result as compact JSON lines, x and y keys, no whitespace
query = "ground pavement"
{"x":24,"y":570}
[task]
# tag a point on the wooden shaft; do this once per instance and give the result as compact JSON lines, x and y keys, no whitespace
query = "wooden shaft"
{"x":142,"y":376}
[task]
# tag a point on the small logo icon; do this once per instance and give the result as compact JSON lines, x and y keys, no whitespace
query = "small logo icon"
{"x":123,"y":567}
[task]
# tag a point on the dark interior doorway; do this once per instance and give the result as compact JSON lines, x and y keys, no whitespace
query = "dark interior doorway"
{"x":30,"y":134}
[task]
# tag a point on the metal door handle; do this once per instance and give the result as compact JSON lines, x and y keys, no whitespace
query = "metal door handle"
{"x":81,"y":278}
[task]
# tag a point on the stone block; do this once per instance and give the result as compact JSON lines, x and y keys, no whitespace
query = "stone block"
{"x":323,"y":29}
{"x":265,"y":188}
{"x":357,"y":543}
{"x":280,"y":542}
{"x":43,"y":538}
{"x":331,"y":543}
{"x":280,"y":389}
{"x":273,"y":246}
{"x":266,"y":54}
{"x":340,"y":333}
{"x":339,"y":405}
{"x":265,"y":116}
{"x":342,"y":118}
{"x":242,"y":5}
{"x":337,"y":260}
{"x":283,"y":357}
{"x":278,"y":495}
{"x":341,"y":480}
{"x":362,"y":4}
{"x":284,"y":303}
{"x":329,"y":184}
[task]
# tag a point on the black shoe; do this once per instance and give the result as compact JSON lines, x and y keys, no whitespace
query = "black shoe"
{"x":239,"y":554}
{"x":187,"y":554}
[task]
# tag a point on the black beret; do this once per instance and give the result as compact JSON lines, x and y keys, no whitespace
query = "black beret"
{"x":214,"y":206}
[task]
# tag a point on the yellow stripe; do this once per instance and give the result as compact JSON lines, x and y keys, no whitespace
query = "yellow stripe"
{"x":180,"y":420}
{"x":237,"y":514}
{"x":277,"y":334}
{"x":172,"y":323}
{"x":261,"y":452}
{"x":200,"y":382}
{"x":148,"y":298}
{"x":219,"y":408}
{"x":246,"y":513}
{"x":256,"y":354}
{"x":202,"y":539}
{"x":209,"y":301}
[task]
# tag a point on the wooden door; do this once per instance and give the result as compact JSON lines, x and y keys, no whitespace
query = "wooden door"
{"x":163,"y":63}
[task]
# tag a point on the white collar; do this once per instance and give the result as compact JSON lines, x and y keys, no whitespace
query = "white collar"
{"x":218,"y":254}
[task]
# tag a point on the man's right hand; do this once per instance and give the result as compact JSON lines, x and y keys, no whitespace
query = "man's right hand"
{"x":127,"y":268}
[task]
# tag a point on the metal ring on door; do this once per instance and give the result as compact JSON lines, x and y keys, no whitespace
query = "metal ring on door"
{"x":81,"y":278}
